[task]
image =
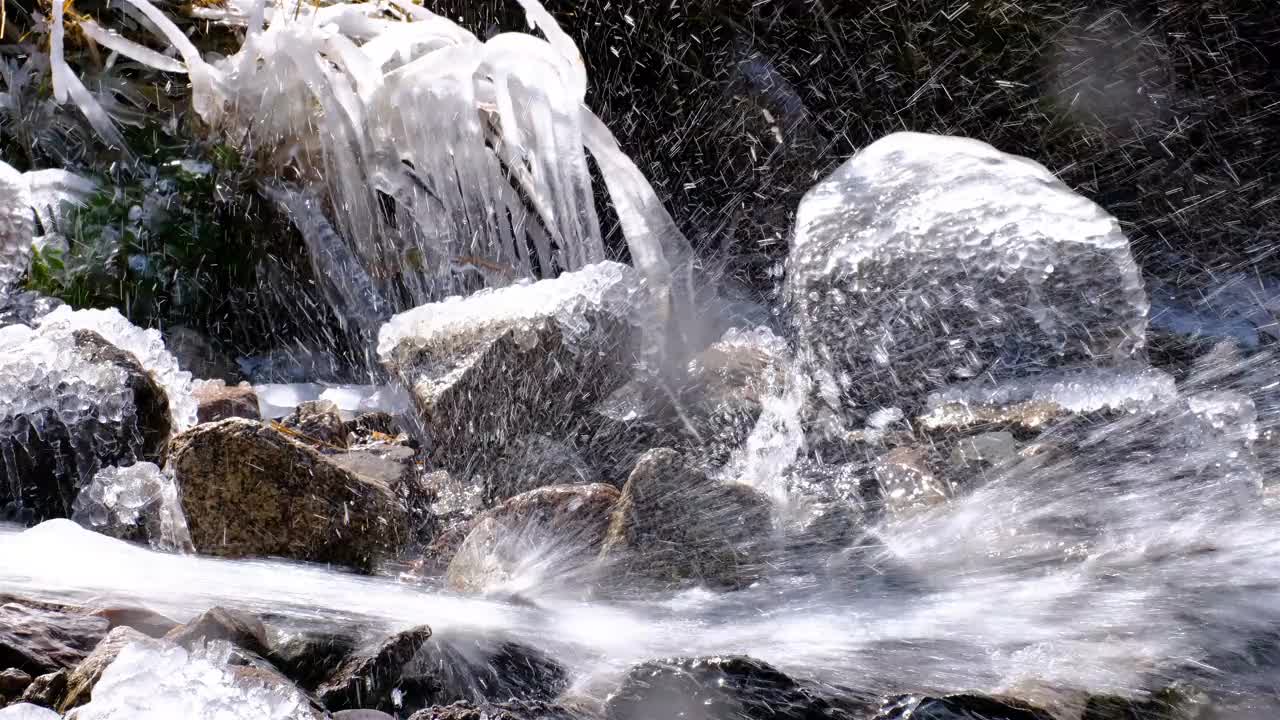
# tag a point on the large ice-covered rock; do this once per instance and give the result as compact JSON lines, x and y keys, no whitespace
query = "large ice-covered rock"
{"x":155,"y":680}
{"x":71,"y":402}
{"x":925,"y":259}
{"x":501,"y":364}
{"x":250,"y":490}
{"x":137,"y":503}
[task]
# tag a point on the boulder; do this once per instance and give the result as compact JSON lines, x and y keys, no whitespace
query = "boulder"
{"x":47,"y":690}
{"x":13,"y":682}
{"x":527,"y":358}
{"x":69,"y":405}
{"x":673,"y":524}
{"x":716,"y":688}
{"x":632,"y":420}
{"x":369,"y":679}
{"x":249,"y":490}
{"x":148,"y":622}
{"x":308,"y":658}
{"x":478,"y":668}
{"x":39,"y":641}
{"x":216,"y":400}
{"x":85,"y":675}
{"x":556,"y":531}
{"x":535,"y":461}
{"x":925,"y":260}
{"x":241,"y":629}
{"x":319,"y":423}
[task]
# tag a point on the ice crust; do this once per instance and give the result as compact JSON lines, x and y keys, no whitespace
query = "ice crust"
{"x":607,"y":287}
{"x":27,"y":711}
{"x":23,"y":198}
{"x":118,"y":500}
{"x":155,"y":680}
{"x":925,"y":259}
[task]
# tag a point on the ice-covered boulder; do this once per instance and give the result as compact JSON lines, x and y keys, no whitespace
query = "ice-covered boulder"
{"x":155,"y":680}
{"x":71,"y":402}
{"x":500,"y":364}
{"x":924,"y":260}
{"x":249,"y":490}
{"x":137,"y":503}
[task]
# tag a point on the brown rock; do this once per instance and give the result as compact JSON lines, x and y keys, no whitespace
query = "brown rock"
{"x":249,"y":490}
{"x":197,"y":355}
{"x":674,"y":524}
{"x":43,"y":641}
{"x":147,"y":622}
{"x":13,"y":681}
{"x":215,"y":400}
{"x":47,"y":690}
{"x":86,"y":675}
{"x":562,"y":523}
{"x":906,"y":482}
{"x":240,"y":629}
{"x":514,"y":710}
{"x":319,"y":423}
{"x":366,"y":680}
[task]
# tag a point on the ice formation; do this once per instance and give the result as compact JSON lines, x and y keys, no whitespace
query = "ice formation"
{"x":27,"y":711}
{"x":925,"y":259}
{"x":23,"y":198}
{"x":124,"y":502}
{"x":444,"y":162}
{"x":608,"y":288}
{"x":155,"y":680}
{"x":145,"y":345}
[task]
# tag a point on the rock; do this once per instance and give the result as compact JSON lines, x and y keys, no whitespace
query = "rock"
{"x":13,"y":681}
{"x":47,"y":690}
{"x":85,"y":675}
{"x":319,"y":423}
{"x":362,"y":715}
{"x":674,"y":524}
{"x":44,"y":641}
{"x":478,"y":668}
{"x":556,"y":530}
{"x":505,"y":363}
{"x":84,"y":404}
{"x":960,"y":707}
{"x":499,"y":711}
{"x":924,"y":260}
{"x":251,"y":491}
{"x":196,"y":354}
{"x":535,"y":461}
{"x":368,"y":678}
{"x":148,"y":622}
{"x":984,"y":450}
{"x":138,"y":503}
{"x":632,"y":420}
{"x":216,"y":400}
{"x":907,"y":483}
{"x":368,"y":426}
{"x":240,"y":629}
{"x":715,"y":688}
{"x":26,"y":711}
{"x":307,"y":658}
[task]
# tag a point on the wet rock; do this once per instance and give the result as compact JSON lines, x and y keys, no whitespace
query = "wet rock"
{"x":43,"y":641}
{"x":556,"y":530}
{"x":85,"y":675}
{"x":384,"y":463}
{"x":197,"y":355}
{"x":307,"y":658}
{"x":715,"y":688}
{"x":13,"y":682}
{"x":85,"y":404}
{"x":501,"y":364}
{"x":632,"y":420}
{"x":148,"y":622}
{"x":238,"y":628}
{"x":318,"y":422}
{"x":499,"y":711}
{"x":984,"y":450}
{"x":362,"y":715}
{"x":1002,"y":271}
{"x":47,"y":690}
{"x":478,"y":669}
{"x":371,"y":425}
{"x":535,"y":461}
{"x":216,"y":400}
{"x":960,"y":707}
{"x":251,"y":491}
{"x":368,"y":678}
{"x":907,"y":483}
{"x":674,"y":524}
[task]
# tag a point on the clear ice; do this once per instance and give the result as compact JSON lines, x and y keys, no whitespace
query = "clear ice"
{"x":925,"y":260}
{"x":120,"y":499}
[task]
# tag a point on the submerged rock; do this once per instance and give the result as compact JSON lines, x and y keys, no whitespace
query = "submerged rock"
{"x":251,"y":491}
{"x":673,"y":524}
{"x":716,"y":688}
{"x":551,"y":532}
{"x":370,"y":678}
{"x":925,"y":259}
{"x":138,"y":503}
{"x":38,"y":641}
{"x":501,"y":364}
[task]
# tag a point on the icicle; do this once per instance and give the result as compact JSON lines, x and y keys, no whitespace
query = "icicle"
{"x":190,"y":55}
{"x":66,"y":84}
{"x":130,"y":49}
